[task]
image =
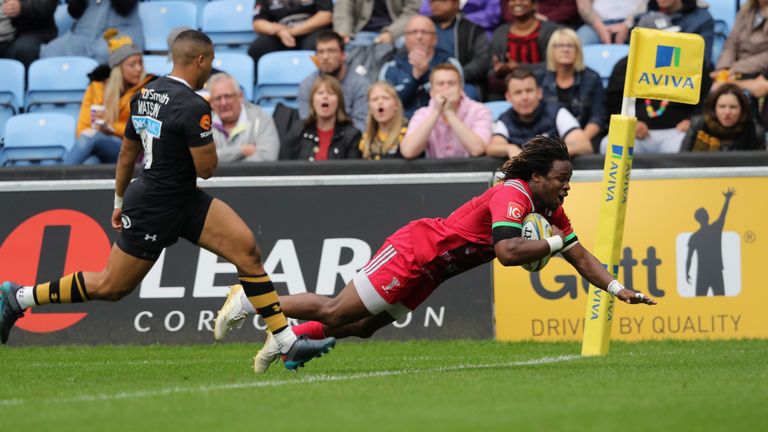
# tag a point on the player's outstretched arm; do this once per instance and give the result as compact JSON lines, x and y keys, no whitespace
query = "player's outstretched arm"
{"x":592,"y":270}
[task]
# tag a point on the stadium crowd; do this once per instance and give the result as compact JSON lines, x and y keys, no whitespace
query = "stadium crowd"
{"x":404,"y":78}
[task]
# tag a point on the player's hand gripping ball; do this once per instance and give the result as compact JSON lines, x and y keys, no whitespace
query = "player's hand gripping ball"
{"x":536,"y":227}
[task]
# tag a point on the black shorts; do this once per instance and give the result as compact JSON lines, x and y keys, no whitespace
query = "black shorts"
{"x":150,"y":226}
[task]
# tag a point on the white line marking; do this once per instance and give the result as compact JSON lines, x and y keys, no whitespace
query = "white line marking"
{"x":277,"y":383}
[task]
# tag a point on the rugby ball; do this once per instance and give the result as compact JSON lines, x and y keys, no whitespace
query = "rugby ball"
{"x":536,"y":227}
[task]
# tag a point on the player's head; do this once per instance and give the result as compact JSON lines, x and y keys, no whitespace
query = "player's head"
{"x":546,"y":166}
{"x":701,"y":216}
{"x":192,"y":51}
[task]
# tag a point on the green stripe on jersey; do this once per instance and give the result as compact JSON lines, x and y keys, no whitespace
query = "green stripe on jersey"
{"x":509,"y":224}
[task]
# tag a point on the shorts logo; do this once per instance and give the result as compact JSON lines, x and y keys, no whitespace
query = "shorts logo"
{"x":126,"y":221}
{"x":205,"y":122}
{"x":152,"y":237}
{"x":514,"y":212}
{"x":394,"y":283}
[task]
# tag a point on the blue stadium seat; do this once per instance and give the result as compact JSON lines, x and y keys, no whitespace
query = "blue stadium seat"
{"x":239,"y":66}
{"x":63,"y":19}
{"x":58,"y":84}
{"x":229,"y":24}
{"x":497,"y":108}
{"x":11,"y":90}
{"x":37,"y":138}
{"x":157,"y":64}
{"x":158,"y":18}
{"x":724,"y":13}
{"x":602,"y":58}
{"x":280,"y":74}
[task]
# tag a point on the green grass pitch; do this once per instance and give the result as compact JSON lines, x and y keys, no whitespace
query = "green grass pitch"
{"x":389,"y":386}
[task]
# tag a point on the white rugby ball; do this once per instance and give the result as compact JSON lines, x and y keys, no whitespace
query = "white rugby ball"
{"x":536,"y":227}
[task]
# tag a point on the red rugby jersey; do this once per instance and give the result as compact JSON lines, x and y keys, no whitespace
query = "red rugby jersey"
{"x":464,"y":240}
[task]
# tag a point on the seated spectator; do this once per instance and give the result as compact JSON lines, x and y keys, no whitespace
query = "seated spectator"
{"x":386,"y":125}
{"x":483,"y":13}
{"x":409,"y":71}
{"x":331,"y":60}
{"x":24,"y":26}
{"x":529,"y":116}
{"x":575,"y":86}
{"x":464,"y":41}
{"x":93,"y":18}
{"x":521,"y":41}
{"x":745,"y":54}
{"x":608,"y":21}
{"x":365,"y":22}
{"x":452,"y":126}
{"x":563,"y":12}
{"x":106,"y":104}
{"x":241,"y":130}
{"x":688,"y":17}
{"x":287,"y":25}
{"x":328,"y":132}
{"x":726,"y":124}
{"x":661,"y":124}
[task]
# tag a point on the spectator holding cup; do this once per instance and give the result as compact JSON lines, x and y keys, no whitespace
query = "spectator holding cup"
{"x":106,"y":104}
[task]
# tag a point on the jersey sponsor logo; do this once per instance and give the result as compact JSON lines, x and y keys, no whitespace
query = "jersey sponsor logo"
{"x":205,"y":122}
{"x":151,"y":95}
{"x":151,"y":125}
{"x":206,"y":134}
{"x":514,"y":212}
{"x":389,"y":286}
{"x":126,"y":221}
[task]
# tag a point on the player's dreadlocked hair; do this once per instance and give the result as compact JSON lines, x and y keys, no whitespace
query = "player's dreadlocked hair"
{"x":537,"y":157}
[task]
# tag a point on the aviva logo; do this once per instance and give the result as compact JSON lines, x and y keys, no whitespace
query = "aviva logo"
{"x":667,"y":56}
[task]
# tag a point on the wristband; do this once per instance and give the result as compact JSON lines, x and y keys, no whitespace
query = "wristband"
{"x":555,"y":243}
{"x":118,"y":201}
{"x":614,"y":287}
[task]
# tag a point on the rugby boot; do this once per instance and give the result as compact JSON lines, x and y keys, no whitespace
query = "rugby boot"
{"x":10,"y":311}
{"x":267,"y":355}
{"x":231,"y":315}
{"x":305,"y":349}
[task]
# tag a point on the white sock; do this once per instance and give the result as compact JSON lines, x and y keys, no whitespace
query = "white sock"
{"x":247,"y":305}
{"x":285,"y":339}
{"x":26,"y":297}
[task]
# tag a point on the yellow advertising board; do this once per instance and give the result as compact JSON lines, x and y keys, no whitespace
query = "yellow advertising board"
{"x":707,"y":276}
{"x":664,"y":65}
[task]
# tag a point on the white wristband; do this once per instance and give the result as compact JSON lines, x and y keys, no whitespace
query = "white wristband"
{"x":118,"y":201}
{"x":614,"y":287}
{"x":555,"y":243}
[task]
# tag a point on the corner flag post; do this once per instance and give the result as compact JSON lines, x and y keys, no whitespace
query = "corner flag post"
{"x":654,"y":71}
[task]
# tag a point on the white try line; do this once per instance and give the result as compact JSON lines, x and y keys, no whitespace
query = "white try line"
{"x":277,"y":383}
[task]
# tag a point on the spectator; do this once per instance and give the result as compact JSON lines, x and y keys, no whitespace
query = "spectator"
{"x":287,"y":24}
{"x":688,"y":17}
{"x":726,"y":125}
{"x":241,"y":130}
{"x":521,"y":41}
{"x":106,"y":104}
{"x":661,"y":124}
{"x":464,"y":41}
{"x":363,"y":22}
{"x":577,"y":87}
{"x":530,"y":116}
{"x":94,"y":17}
{"x":483,"y":13}
{"x":757,"y":88}
{"x":452,"y":126}
{"x":24,"y":26}
{"x":745,"y":54}
{"x":409,"y":71}
{"x":328,"y":133}
{"x":331,"y":60}
{"x":608,"y":21}
{"x":386,"y":125}
{"x":563,"y":12}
